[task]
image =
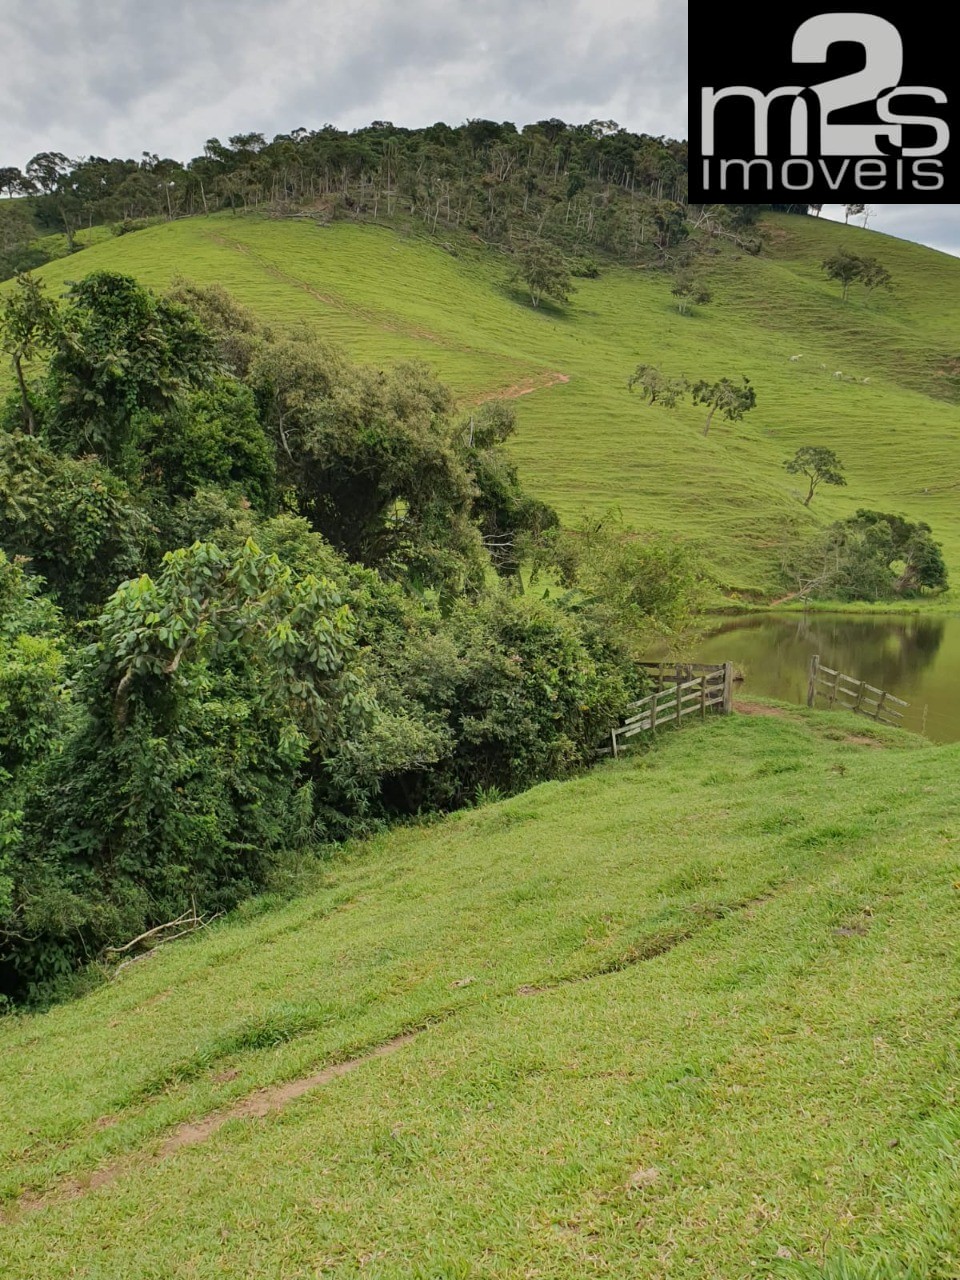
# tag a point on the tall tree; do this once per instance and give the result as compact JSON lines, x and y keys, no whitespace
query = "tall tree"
{"x":29,"y":322}
{"x":120,"y":355}
{"x":50,"y":172}
{"x":11,"y":181}
{"x":543,"y":270}
{"x":731,"y":399}
{"x":819,"y":465}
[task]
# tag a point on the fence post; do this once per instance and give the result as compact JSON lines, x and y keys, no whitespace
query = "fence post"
{"x":834,"y":690}
{"x":703,"y":697}
{"x":678,"y":698}
{"x":858,"y":705}
{"x":613,"y":742}
{"x":812,"y":686}
{"x":727,"y":688}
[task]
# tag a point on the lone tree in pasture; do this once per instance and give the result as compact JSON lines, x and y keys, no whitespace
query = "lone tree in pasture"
{"x":688,"y":291}
{"x":657,"y":387}
{"x":732,"y":399}
{"x":843,"y":267}
{"x":545,"y":273}
{"x":849,"y":268}
{"x":819,"y":465}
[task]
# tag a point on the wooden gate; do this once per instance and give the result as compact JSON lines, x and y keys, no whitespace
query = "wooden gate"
{"x":851,"y":694}
{"x":681,"y":689}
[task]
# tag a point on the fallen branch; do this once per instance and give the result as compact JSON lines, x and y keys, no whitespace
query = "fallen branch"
{"x":187,"y":923}
{"x":194,"y":927}
{"x":150,"y":933}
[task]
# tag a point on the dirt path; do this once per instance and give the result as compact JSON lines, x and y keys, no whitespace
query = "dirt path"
{"x":759,"y":709}
{"x":191,"y":1133}
{"x":272,"y":1099}
{"x":526,"y":388}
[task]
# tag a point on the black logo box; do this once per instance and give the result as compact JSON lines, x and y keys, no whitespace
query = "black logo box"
{"x":796,"y":105}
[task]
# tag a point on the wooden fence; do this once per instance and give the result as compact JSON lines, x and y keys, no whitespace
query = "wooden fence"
{"x":681,"y":690}
{"x":838,"y":690}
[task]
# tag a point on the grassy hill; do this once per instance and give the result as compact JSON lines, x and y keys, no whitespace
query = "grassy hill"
{"x":693,"y":1015}
{"x":585,"y":443}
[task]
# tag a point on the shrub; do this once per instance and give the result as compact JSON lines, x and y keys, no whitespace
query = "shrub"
{"x":77,"y":523}
{"x":213,"y":439}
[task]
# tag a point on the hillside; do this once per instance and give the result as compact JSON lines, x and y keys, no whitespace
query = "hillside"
{"x":585,"y":443}
{"x":692,"y":1015}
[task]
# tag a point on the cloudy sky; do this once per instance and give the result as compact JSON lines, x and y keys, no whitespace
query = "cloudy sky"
{"x":118,"y":77}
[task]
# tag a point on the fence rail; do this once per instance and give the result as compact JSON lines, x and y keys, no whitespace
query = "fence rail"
{"x":851,"y":694}
{"x":681,"y":690}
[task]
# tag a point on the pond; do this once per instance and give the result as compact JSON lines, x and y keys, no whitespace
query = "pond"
{"x":915,"y":658}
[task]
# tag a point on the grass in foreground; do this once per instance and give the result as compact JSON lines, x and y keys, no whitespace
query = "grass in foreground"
{"x":693,"y":1015}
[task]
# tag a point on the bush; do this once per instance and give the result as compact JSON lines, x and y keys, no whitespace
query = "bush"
{"x":213,"y":439}
{"x":325,"y":649}
{"x":179,"y":775}
{"x":77,"y":523}
{"x":520,"y":690}
{"x":873,"y":555}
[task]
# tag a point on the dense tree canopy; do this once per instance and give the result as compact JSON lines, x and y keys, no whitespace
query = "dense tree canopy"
{"x":254,"y":598}
{"x":573,"y":187}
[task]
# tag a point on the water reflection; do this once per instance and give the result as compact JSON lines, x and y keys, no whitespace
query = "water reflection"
{"x":915,"y":658}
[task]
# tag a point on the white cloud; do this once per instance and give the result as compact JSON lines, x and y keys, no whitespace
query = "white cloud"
{"x":117,"y":77}
{"x":123,"y":76}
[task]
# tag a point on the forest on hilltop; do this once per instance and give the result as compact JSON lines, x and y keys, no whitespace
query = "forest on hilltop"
{"x":592,"y":187}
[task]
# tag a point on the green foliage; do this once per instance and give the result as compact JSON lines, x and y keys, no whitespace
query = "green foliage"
{"x":687,"y":290}
{"x":74,"y":520}
{"x":873,"y":555}
{"x":657,"y":387}
{"x":820,"y":465}
{"x":374,"y":458}
{"x":19,"y":248}
{"x":233,"y":327}
{"x":509,"y":518}
{"x":638,"y":589}
{"x":29,"y":322}
{"x":214,"y":439}
{"x":848,"y":268}
{"x":520,"y":689}
{"x":120,"y":354}
{"x":542,"y":269}
{"x":732,"y":399}
{"x":179,"y":777}
{"x":274,"y":680}
{"x":32,"y":668}
{"x":33,"y":699}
